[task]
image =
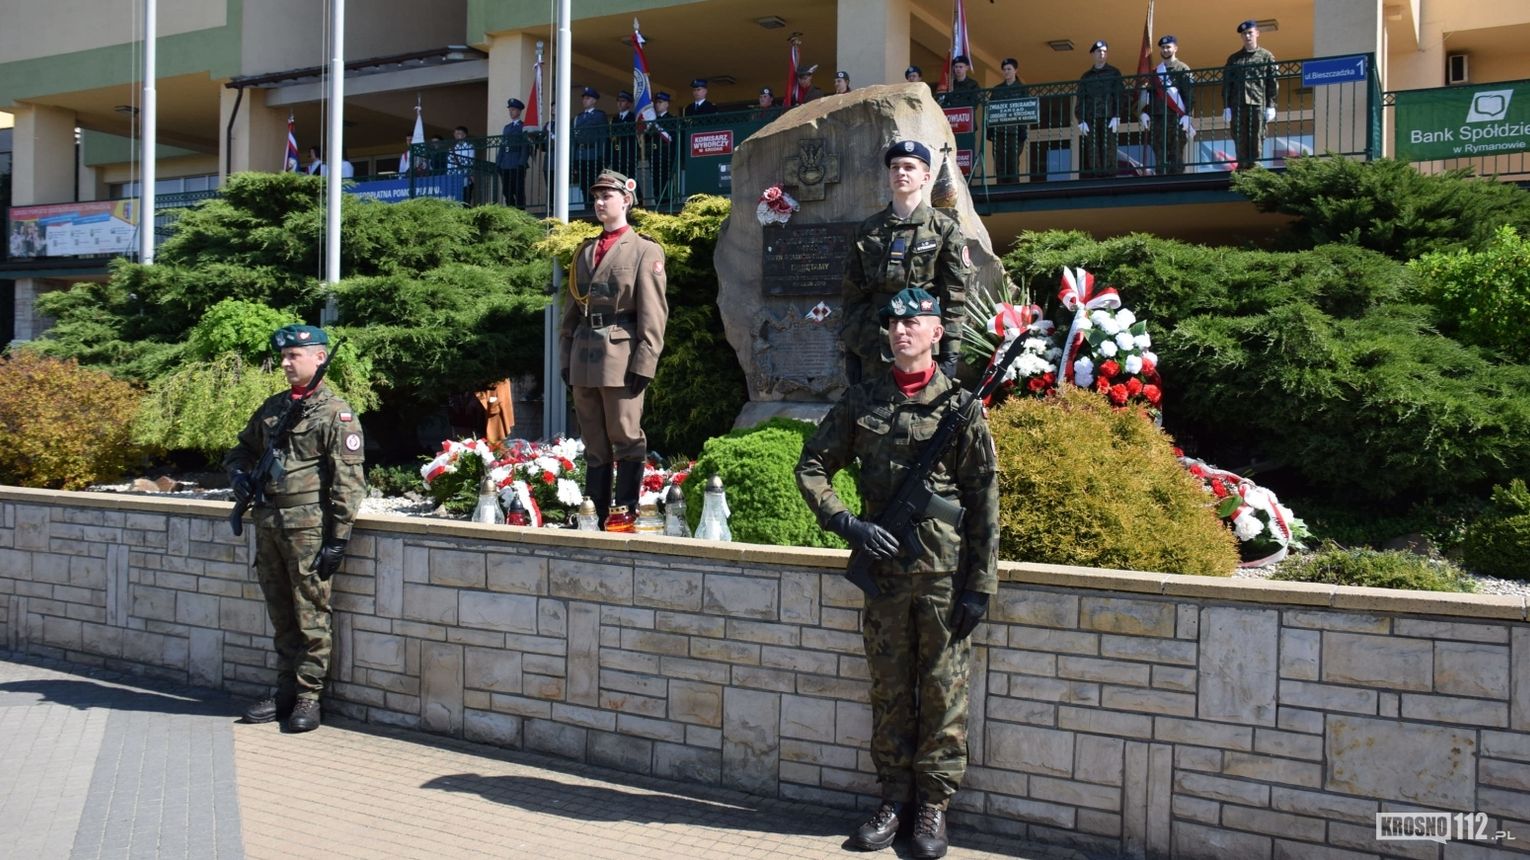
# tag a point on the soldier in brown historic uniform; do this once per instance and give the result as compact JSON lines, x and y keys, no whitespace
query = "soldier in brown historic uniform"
{"x":611,"y":337}
{"x":303,"y":516}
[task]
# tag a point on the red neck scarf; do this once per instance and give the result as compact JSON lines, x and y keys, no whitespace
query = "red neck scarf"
{"x":914,"y":382}
{"x":606,"y":240}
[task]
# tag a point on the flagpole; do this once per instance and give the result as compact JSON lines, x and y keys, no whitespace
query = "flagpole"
{"x":554,"y":396}
{"x":334,"y":159}
{"x":150,"y":133}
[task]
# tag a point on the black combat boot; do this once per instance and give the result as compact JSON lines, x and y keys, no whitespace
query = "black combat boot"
{"x":629,"y":483}
{"x":275,"y":707}
{"x":305,"y":717}
{"x":879,"y":830}
{"x":597,"y":487}
{"x":929,"y":833}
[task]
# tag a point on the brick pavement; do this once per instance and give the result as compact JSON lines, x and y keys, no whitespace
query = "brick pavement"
{"x":95,"y":764}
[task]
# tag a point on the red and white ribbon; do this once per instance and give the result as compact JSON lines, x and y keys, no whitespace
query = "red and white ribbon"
{"x":1079,"y":296}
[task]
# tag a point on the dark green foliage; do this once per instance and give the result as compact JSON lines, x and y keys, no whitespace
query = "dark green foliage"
{"x":1385,"y":205}
{"x":1498,"y":543}
{"x":395,"y":480}
{"x":1325,"y":364}
{"x":1483,"y":297}
{"x":700,"y":387}
{"x":457,"y":490}
{"x":1081,"y":483}
{"x":1335,"y":565}
{"x":1441,"y":522}
{"x":758,"y":469}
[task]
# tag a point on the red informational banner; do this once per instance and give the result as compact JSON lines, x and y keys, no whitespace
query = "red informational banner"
{"x":89,"y":229}
{"x":704,"y":143}
{"x":961,"y":119}
{"x":964,"y":161}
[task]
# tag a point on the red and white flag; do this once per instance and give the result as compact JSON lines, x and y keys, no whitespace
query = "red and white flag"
{"x":792,"y":96}
{"x":290,"y":161}
{"x":1145,"y":58}
{"x":533,"y":109}
{"x":959,"y":47}
{"x":415,"y":139}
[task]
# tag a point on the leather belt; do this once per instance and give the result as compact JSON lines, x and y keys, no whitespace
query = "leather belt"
{"x":604,"y":320}
{"x":292,"y":500}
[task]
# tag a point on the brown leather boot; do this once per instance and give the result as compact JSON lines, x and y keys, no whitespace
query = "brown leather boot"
{"x":929,"y":833}
{"x":878,"y":831}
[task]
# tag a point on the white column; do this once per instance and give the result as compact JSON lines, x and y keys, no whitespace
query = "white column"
{"x":871,"y":42}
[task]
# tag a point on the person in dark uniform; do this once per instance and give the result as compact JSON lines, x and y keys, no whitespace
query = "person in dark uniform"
{"x":841,"y":82}
{"x":1008,"y":140}
{"x":591,"y":140}
{"x":804,"y":91}
{"x":624,"y":138}
{"x":514,"y":155}
{"x":766,"y":109}
{"x":1167,"y":101}
{"x":610,"y":341}
{"x":1098,"y":111}
{"x":907,"y":244}
{"x":1249,"y":88}
{"x":964,"y":88}
{"x":303,"y":520}
{"x":699,"y":105}
{"x":663,"y":146}
{"x":934,"y":594}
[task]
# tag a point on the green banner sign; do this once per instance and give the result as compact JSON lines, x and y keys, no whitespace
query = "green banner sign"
{"x":1463,"y":122}
{"x":1022,"y":111}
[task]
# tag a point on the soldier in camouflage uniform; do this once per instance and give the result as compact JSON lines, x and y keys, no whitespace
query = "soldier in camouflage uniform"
{"x":932,"y":595}
{"x":1248,"y":90}
{"x":908,"y":244}
{"x":1167,"y":101}
{"x":303,"y":516}
{"x":1098,"y":111}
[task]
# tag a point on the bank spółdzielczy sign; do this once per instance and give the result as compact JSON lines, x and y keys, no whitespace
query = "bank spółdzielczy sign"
{"x":1463,"y":122}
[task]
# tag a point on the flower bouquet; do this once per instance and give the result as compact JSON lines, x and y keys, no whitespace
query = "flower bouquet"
{"x":453,"y":475}
{"x":1034,"y":371}
{"x":775,"y":206}
{"x":1265,"y":528}
{"x":544,"y":477}
{"x":1107,"y":346}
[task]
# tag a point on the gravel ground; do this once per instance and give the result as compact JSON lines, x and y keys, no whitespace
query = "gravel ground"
{"x":413,"y":505}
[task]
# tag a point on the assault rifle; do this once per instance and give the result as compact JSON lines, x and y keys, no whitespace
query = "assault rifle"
{"x":269,"y":467}
{"x":914,"y":500}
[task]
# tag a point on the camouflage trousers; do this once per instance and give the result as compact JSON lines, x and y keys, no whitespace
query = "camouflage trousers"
{"x":918,"y":688}
{"x":298,"y":603}
{"x":1248,"y":128}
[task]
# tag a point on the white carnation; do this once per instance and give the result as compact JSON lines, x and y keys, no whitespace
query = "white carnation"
{"x":1248,"y":526}
{"x":568,"y":492}
{"x":1084,"y":324}
{"x":1126,"y":318}
{"x":1125,"y":340}
{"x":1134,"y":364}
{"x":1143,"y":341}
{"x":1035,"y":344}
{"x":1107,"y":348}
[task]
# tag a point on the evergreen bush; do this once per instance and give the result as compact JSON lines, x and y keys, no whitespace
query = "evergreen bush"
{"x":238,"y":327}
{"x":1332,"y":564}
{"x":758,"y":468}
{"x":1483,"y":297}
{"x":63,"y":426}
{"x":1498,"y":543}
{"x":1083,"y":484}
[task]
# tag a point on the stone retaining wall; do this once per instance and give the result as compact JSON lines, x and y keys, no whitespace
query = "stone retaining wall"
{"x":1149,"y":714}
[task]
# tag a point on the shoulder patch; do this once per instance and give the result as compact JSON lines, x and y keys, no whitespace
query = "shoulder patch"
{"x":926,"y":245}
{"x":966,"y":257}
{"x":353,"y":441}
{"x":658,"y":267}
{"x":345,"y":417}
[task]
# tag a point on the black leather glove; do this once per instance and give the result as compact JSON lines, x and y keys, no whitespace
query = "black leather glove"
{"x":243,"y":486}
{"x":852,"y":368}
{"x":636,"y":382}
{"x":564,"y":374}
{"x":862,"y":536}
{"x":330,"y":556}
{"x":947,"y":363}
{"x":970,"y":608}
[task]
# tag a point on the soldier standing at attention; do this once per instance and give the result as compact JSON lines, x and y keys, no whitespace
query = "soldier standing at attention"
{"x":699,"y":105}
{"x":1167,"y":101}
{"x":624,"y":138}
{"x":610,"y":340}
{"x":514,"y":155}
{"x":932,"y":595}
{"x":803,"y":91}
{"x":908,"y":244}
{"x":841,"y":82}
{"x":591,"y":140}
{"x":1008,"y":140}
{"x":964,"y":87}
{"x":1098,"y":111}
{"x":302,"y":522}
{"x":1248,"y":90}
{"x":663,"y":143}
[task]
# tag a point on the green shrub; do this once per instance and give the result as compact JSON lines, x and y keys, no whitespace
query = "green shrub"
{"x":1083,"y":484}
{"x":1483,"y":297}
{"x":457,"y":490}
{"x":1332,"y":564}
{"x":1498,"y":543}
{"x":758,"y":469}
{"x":1385,"y":205}
{"x":395,"y":480}
{"x":63,"y":426}
{"x":238,"y":327}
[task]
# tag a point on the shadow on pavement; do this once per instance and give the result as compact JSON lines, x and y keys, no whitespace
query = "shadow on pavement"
{"x":85,"y":694}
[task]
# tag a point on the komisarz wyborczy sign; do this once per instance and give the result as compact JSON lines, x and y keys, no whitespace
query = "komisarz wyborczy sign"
{"x":1463,"y":122}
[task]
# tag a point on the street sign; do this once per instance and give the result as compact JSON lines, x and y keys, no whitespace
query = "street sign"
{"x":1333,"y":70}
{"x":1023,"y":111}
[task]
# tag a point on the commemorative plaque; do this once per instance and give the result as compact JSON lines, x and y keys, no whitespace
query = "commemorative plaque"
{"x":806,"y":259}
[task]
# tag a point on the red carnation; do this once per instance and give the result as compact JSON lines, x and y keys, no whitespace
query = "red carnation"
{"x":1152,"y":394}
{"x":679,"y":477}
{"x":1118,"y":395}
{"x":1109,"y":367}
{"x":549,"y":478}
{"x":1218,"y":488}
{"x":1101,"y":384}
{"x":1134,"y":386}
{"x":1148,"y":365}
{"x":653,"y":482}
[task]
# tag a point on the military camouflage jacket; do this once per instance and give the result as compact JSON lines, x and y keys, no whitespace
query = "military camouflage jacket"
{"x":1099,"y":94}
{"x":1249,"y":79}
{"x":925,"y":250}
{"x":877,"y":424}
{"x":323,"y":481}
{"x":1177,"y":75}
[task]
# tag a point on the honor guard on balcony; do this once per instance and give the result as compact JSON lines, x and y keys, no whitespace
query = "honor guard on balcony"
{"x":930,"y":597}
{"x":591,"y":140}
{"x":1167,"y":100}
{"x":663,"y":142}
{"x":514,"y":155}
{"x":1098,"y":111}
{"x":610,"y":340}
{"x":304,"y":505}
{"x":907,"y":244}
{"x":1008,"y":140}
{"x":624,"y":150}
{"x":1248,"y":91}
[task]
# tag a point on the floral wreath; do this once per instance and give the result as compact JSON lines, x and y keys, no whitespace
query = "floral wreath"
{"x":775,"y":206}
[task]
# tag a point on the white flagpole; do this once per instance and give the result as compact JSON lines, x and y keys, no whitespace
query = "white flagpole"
{"x":150,"y":134}
{"x":334,"y":157}
{"x":554,"y":397}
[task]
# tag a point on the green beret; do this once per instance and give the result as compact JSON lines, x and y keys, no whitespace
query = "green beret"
{"x":298,"y":335}
{"x":911,"y":302}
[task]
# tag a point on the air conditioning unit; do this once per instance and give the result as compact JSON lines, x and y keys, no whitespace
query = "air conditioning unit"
{"x":1456,"y":69}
